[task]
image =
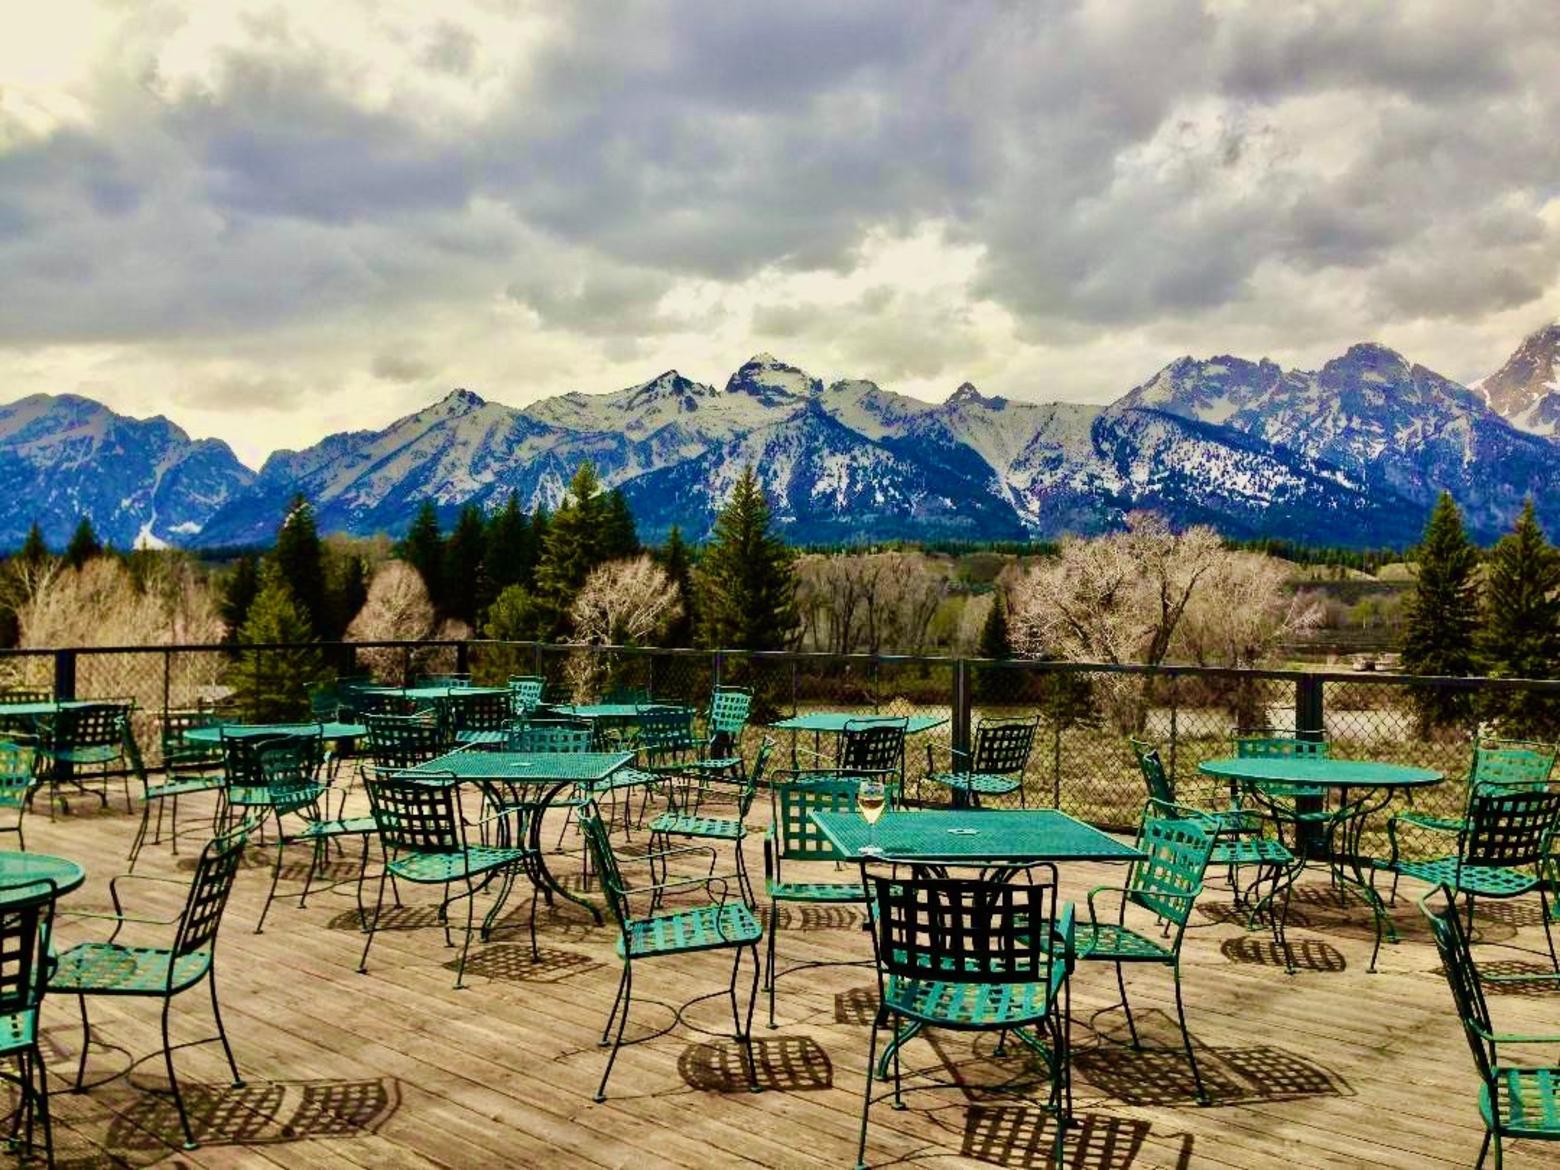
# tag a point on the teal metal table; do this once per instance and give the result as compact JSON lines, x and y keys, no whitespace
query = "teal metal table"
{"x":326,"y":730}
{"x":835,"y":723}
{"x":998,"y":842}
{"x":20,"y":871}
{"x":506,"y":776}
{"x":37,"y":709}
{"x":431,"y":693}
{"x":981,"y":838}
{"x":1285,"y":785}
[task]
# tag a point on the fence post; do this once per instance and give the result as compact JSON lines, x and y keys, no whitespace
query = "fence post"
{"x":462,"y":657}
{"x":960,"y":732}
{"x":1310,"y":715}
{"x":717,"y":666}
{"x":167,"y":678}
{"x":64,"y":674}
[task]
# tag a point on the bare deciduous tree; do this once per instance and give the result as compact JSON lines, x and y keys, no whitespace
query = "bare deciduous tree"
{"x":628,"y":603}
{"x":397,"y":609}
{"x":868,"y":602}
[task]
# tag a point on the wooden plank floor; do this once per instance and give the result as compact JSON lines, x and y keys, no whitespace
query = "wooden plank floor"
{"x":1331,"y":1067}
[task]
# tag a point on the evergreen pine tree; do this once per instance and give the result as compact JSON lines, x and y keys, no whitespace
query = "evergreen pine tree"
{"x":346,"y":589}
{"x":463,"y":573}
{"x":1441,"y":614}
{"x":575,"y":544}
{"x":301,"y":562}
{"x":747,"y":576}
{"x":994,"y":641}
{"x":423,"y":549}
{"x":541,"y":525}
{"x":33,"y":551}
{"x":620,"y":538}
{"x":673,"y":557}
{"x":84,"y":545}
{"x":1519,"y":632}
{"x":273,"y":685}
{"x":238,"y":595}
{"x":508,"y":556}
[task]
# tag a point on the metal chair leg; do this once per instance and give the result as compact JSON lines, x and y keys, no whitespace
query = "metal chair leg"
{"x":373,"y":924}
{"x":1186,"y":1039}
{"x":86,"y":1043}
{"x":866,"y":1102}
{"x":628,"y":995}
{"x":1121,"y":982}
{"x":173,"y":1079}
{"x":216,"y":1012}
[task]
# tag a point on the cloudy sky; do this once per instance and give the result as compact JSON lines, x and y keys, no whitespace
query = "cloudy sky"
{"x":272,"y":220}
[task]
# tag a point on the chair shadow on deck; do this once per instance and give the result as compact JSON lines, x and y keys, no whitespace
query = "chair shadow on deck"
{"x":824,"y":917}
{"x":512,"y":963}
{"x":1232,"y":1076}
{"x":1260,"y":950}
{"x":258,"y":1113}
{"x":788,"y":1064}
{"x":1023,"y":1136}
{"x":856,"y":1006}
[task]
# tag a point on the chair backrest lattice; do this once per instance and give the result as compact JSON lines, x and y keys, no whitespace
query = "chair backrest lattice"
{"x":288,"y":768}
{"x":729,"y":710}
{"x":754,"y":776}
{"x":215,"y":873}
{"x":1003,"y":746}
{"x":1451,"y":941}
{"x":417,"y":814}
{"x":18,"y":766}
{"x":478,"y":710}
{"x":966,"y":930}
{"x":241,"y":758}
{"x":599,"y":844}
{"x":179,"y":751}
{"x":525,"y":692}
{"x":1152,"y":766}
{"x":1509,"y":827}
{"x":91,"y":725}
{"x":405,"y":741}
{"x":1511,"y":761}
{"x":1267,"y":743}
{"x":554,"y":736}
{"x":794,"y":802}
{"x":27,"y":695}
{"x":25,"y":922}
{"x":1176,"y":844}
{"x":665,"y":733}
{"x":873,"y":745}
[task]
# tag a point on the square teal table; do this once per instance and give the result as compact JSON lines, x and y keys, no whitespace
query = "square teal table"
{"x":502,"y":774}
{"x":835,"y":723}
{"x":985,"y":838}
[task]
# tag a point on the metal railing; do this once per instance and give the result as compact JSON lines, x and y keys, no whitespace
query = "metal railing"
{"x":1081,"y":762}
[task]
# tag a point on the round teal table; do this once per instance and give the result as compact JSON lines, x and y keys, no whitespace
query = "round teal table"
{"x":1287,"y":787}
{"x":327,"y":730}
{"x":21,"y":871}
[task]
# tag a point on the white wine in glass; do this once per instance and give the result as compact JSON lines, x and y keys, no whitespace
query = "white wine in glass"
{"x":871,"y":799}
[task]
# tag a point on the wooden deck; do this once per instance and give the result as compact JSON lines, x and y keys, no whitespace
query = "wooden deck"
{"x":1330,"y":1067}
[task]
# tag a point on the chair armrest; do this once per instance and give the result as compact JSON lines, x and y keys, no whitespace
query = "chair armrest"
{"x":1515,"y":1037}
{"x":674,"y":851}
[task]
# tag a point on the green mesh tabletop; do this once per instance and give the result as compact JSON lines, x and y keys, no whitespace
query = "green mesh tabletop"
{"x":1298,"y":772}
{"x":35,"y":709}
{"x":330,"y":729}
{"x":975,"y":837}
{"x":613,"y":712}
{"x":834,"y":722}
{"x":17,"y":870}
{"x":431,"y":693}
{"x":526,"y":767}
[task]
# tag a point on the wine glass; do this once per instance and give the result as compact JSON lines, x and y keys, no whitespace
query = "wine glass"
{"x":871,"y":799}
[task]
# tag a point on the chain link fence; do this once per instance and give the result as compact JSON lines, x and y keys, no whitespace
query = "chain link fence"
{"x":1081,"y":761}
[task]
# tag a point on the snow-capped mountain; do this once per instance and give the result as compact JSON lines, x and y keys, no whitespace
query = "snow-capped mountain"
{"x":1526,"y":390}
{"x":1352,"y":453}
{"x":1397,"y":428}
{"x":141,"y":481}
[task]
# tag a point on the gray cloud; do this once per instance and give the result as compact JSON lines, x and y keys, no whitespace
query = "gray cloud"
{"x":1333,"y":167}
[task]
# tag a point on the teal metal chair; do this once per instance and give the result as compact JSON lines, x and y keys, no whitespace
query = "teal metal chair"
{"x":477,"y":711}
{"x":85,"y":742}
{"x":190,"y":768}
{"x":424,"y":835}
{"x":405,"y":741}
{"x":1502,"y":849}
{"x":1517,"y":763}
{"x":722,"y":922}
{"x":994,"y":767}
{"x":1515,"y":1101}
{"x":794,"y":839}
{"x":702,"y":807}
{"x":164,"y":973}
{"x":18,"y":783}
{"x":1158,"y":896}
{"x":299,"y":806}
{"x":525,"y":693}
{"x":247,"y":791}
{"x":972,"y":955}
{"x":724,"y":722}
{"x":25,"y":924}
